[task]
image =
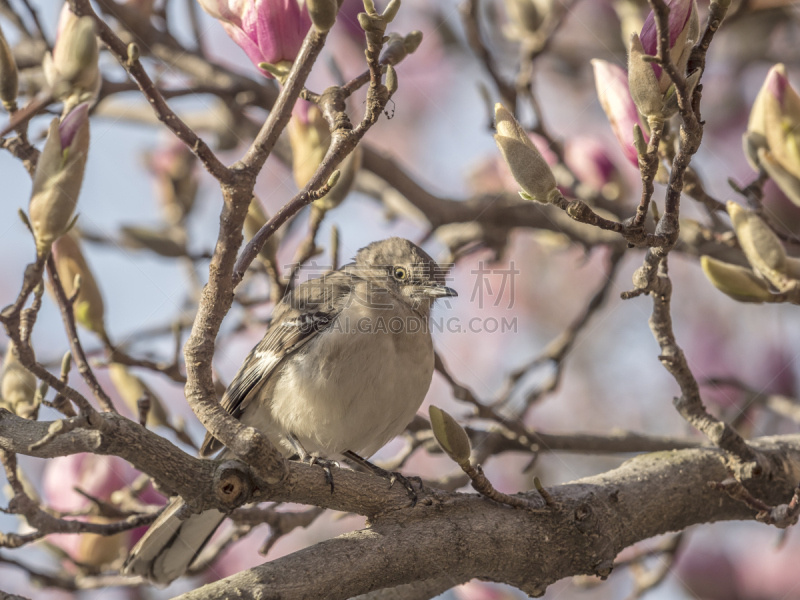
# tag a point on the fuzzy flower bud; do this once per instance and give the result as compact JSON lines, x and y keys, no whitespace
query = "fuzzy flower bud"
{"x":763,"y":248}
{"x":615,"y":98}
{"x":17,"y":386}
{"x":174,"y":169}
{"x":58,"y":177}
{"x":651,"y":87}
{"x":310,"y":139}
{"x":525,"y":17}
{"x":71,"y":69}
{"x":255,"y":220}
{"x":270,"y":32}
{"x":450,"y":435}
{"x":772,"y":140}
{"x":131,"y":388}
{"x":737,"y":282}
{"x":323,"y":13}
{"x":9,"y":76}
{"x":71,"y":265}
{"x":528,"y":166}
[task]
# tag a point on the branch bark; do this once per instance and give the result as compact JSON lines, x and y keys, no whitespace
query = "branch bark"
{"x":472,"y":537}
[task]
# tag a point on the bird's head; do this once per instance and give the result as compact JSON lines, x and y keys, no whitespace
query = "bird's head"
{"x":405,"y":270}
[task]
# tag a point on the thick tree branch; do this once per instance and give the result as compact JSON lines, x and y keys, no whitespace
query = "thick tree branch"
{"x":601,"y":515}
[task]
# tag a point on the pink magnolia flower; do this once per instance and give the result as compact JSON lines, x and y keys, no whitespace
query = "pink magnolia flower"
{"x":615,"y":97}
{"x":588,"y":158}
{"x":269,"y":31}
{"x":100,"y":477}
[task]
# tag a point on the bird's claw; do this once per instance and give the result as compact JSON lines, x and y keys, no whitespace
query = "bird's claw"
{"x":326,"y":467}
{"x":408,"y":483}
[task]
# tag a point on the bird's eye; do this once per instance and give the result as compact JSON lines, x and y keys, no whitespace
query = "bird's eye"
{"x":400,"y":274}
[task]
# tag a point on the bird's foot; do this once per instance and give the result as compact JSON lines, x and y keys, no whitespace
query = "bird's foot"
{"x":392,"y":476}
{"x":406,"y":482}
{"x":326,"y":465}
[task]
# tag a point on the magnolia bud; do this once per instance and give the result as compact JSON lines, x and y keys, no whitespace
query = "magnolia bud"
{"x":17,"y":386}
{"x":524,"y":18}
{"x":772,"y":141}
{"x":649,"y":83}
{"x":391,"y":10}
{"x":788,"y":183}
{"x":611,"y":82}
{"x":131,"y":388}
{"x":175,"y":173}
{"x":9,"y":77}
{"x":395,"y":50}
{"x":528,"y":166}
{"x":100,"y":550}
{"x":643,"y":83}
{"x":737,"y":282}
{"x":342,"y":183}
{"x":323,"y":13}
{"x":71,"y":69}
{"x":391,"y":79}
{"x":71,"y":265}
{"x":412,"y":41}
{"x":163,"y":242}
{"x":255,"y":220}
{"x":58,"y":177}
{"x":450,"y":436}
{"x":761,"y":246}
{"x":309,"y":138}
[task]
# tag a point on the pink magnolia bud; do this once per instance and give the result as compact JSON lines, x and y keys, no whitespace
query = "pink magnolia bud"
{"x":174,"y":169}
{"x":588,"y":158}
{"x":59,"y":176}
{"x":96,"y":475}
{"x":615,"y":98}
{"x":772,"y":140}
{"x":684,"y":29}
{"x":100,"y":477}
{"x":269,"y":31}
{"x":651,"y":87}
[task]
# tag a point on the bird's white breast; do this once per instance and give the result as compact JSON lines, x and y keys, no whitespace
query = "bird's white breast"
{"x":351,"y":390}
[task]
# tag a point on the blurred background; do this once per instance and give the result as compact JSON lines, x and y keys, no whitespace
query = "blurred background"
{"x":440,"y":132}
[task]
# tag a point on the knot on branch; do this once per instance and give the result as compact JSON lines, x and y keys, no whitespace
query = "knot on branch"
{"x":232,"y":484}
{"x":334,"y":109}
{"x":255,"y":450}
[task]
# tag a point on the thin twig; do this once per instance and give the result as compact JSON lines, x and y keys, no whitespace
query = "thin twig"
{"x":162,"y":110}
{"x":68,"y":317}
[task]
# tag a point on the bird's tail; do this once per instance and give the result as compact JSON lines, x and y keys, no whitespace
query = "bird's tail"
{"x":170,"y":546}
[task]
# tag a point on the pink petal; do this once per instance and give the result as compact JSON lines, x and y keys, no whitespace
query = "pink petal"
{"x":72,"y":123}
{"x":679,"y":13}
{"x":615,"y":97}
{"x":588,"y":158}
{"x":97,"y":475}
{"x":777,"y":83}
{"x":245,"y":43}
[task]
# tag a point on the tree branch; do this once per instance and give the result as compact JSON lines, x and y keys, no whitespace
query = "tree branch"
{"x":471,"y":537}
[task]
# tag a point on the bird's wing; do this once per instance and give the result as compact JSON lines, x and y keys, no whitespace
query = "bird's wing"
{"x":310,"y":308}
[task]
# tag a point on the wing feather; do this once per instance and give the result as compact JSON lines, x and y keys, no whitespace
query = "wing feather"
{"x":310,"y":309}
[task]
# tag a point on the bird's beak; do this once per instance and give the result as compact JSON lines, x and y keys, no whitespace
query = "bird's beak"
{"x":438,"y":291}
